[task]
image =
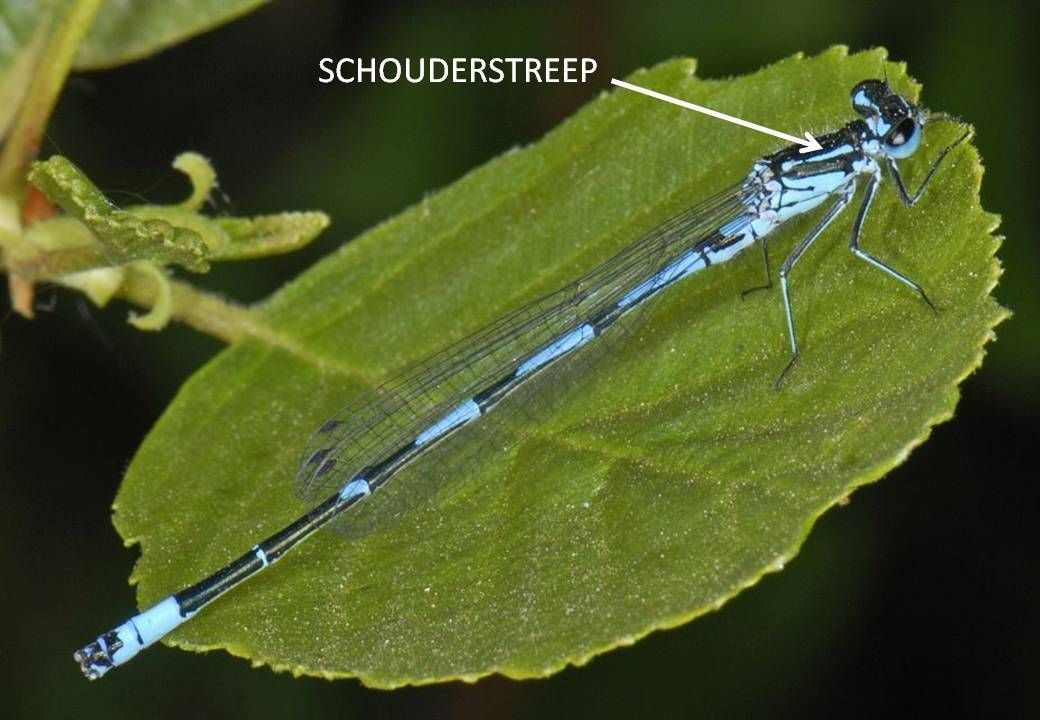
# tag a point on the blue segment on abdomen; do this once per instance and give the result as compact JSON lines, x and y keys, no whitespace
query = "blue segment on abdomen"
{"x":465,"y":412}
{"x":688,"y":263}
{"x":354,"y":488}
{"x":575,"y":338}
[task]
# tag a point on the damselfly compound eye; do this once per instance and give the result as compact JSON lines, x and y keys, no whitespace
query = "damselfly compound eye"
{"x":902,"y":140}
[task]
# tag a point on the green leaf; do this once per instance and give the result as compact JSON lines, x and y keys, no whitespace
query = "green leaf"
{"x":127,"y":30}
{"x":162,"y":309}
{"x":122,"y":235}
{"x":201,"y":175}
{"x":265,"y":235}
{"x":124,"y":31}
{"x":675,"y":479}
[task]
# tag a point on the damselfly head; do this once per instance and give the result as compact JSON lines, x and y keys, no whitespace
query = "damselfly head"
{"x":893,"y":120}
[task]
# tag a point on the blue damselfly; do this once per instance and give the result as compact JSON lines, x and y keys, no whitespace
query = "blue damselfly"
{"x":351,"y":458}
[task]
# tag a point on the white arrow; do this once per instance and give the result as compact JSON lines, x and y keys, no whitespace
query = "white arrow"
{"x":809,"y":143}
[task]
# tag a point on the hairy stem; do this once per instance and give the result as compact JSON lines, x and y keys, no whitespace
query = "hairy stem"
{"x":55,"y":263}
{"x":206,"y":312}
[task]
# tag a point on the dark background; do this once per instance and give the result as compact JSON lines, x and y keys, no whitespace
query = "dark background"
{"x":919,"y":596}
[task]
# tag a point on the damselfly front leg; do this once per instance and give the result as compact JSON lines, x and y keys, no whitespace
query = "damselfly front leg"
{"x":908,"y":200}
{"x":893,"y":168}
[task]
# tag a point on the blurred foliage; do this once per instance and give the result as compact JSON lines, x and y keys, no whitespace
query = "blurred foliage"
{"x":124,"y":31}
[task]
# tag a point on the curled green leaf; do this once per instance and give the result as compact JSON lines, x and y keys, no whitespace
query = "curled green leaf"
{"x":269,"y":234}
{"x":202,"y":176}
{"x":213,"y":237}
{"x":122,"y":236}
{"x":159,"y":316}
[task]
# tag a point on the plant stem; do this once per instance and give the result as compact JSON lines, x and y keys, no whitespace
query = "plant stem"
{"x":69,"y":23}
{"x":48,"y":264}
{"x":206,"y":312}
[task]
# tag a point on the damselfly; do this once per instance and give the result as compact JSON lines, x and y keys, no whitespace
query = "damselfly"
{"x":384,"y":433}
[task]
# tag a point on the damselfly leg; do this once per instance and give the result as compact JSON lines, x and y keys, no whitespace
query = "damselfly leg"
{"x":792,"y":259}
{"x":893,"y":168}
{"x":769,"y":275}
{"x":908,"y":200}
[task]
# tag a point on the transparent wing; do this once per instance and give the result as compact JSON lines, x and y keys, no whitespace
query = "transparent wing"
{"x":380,"y":422}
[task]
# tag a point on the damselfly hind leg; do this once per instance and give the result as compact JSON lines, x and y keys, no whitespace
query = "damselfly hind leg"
{"x":769,"y":275}
{"x":793,"y":258}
